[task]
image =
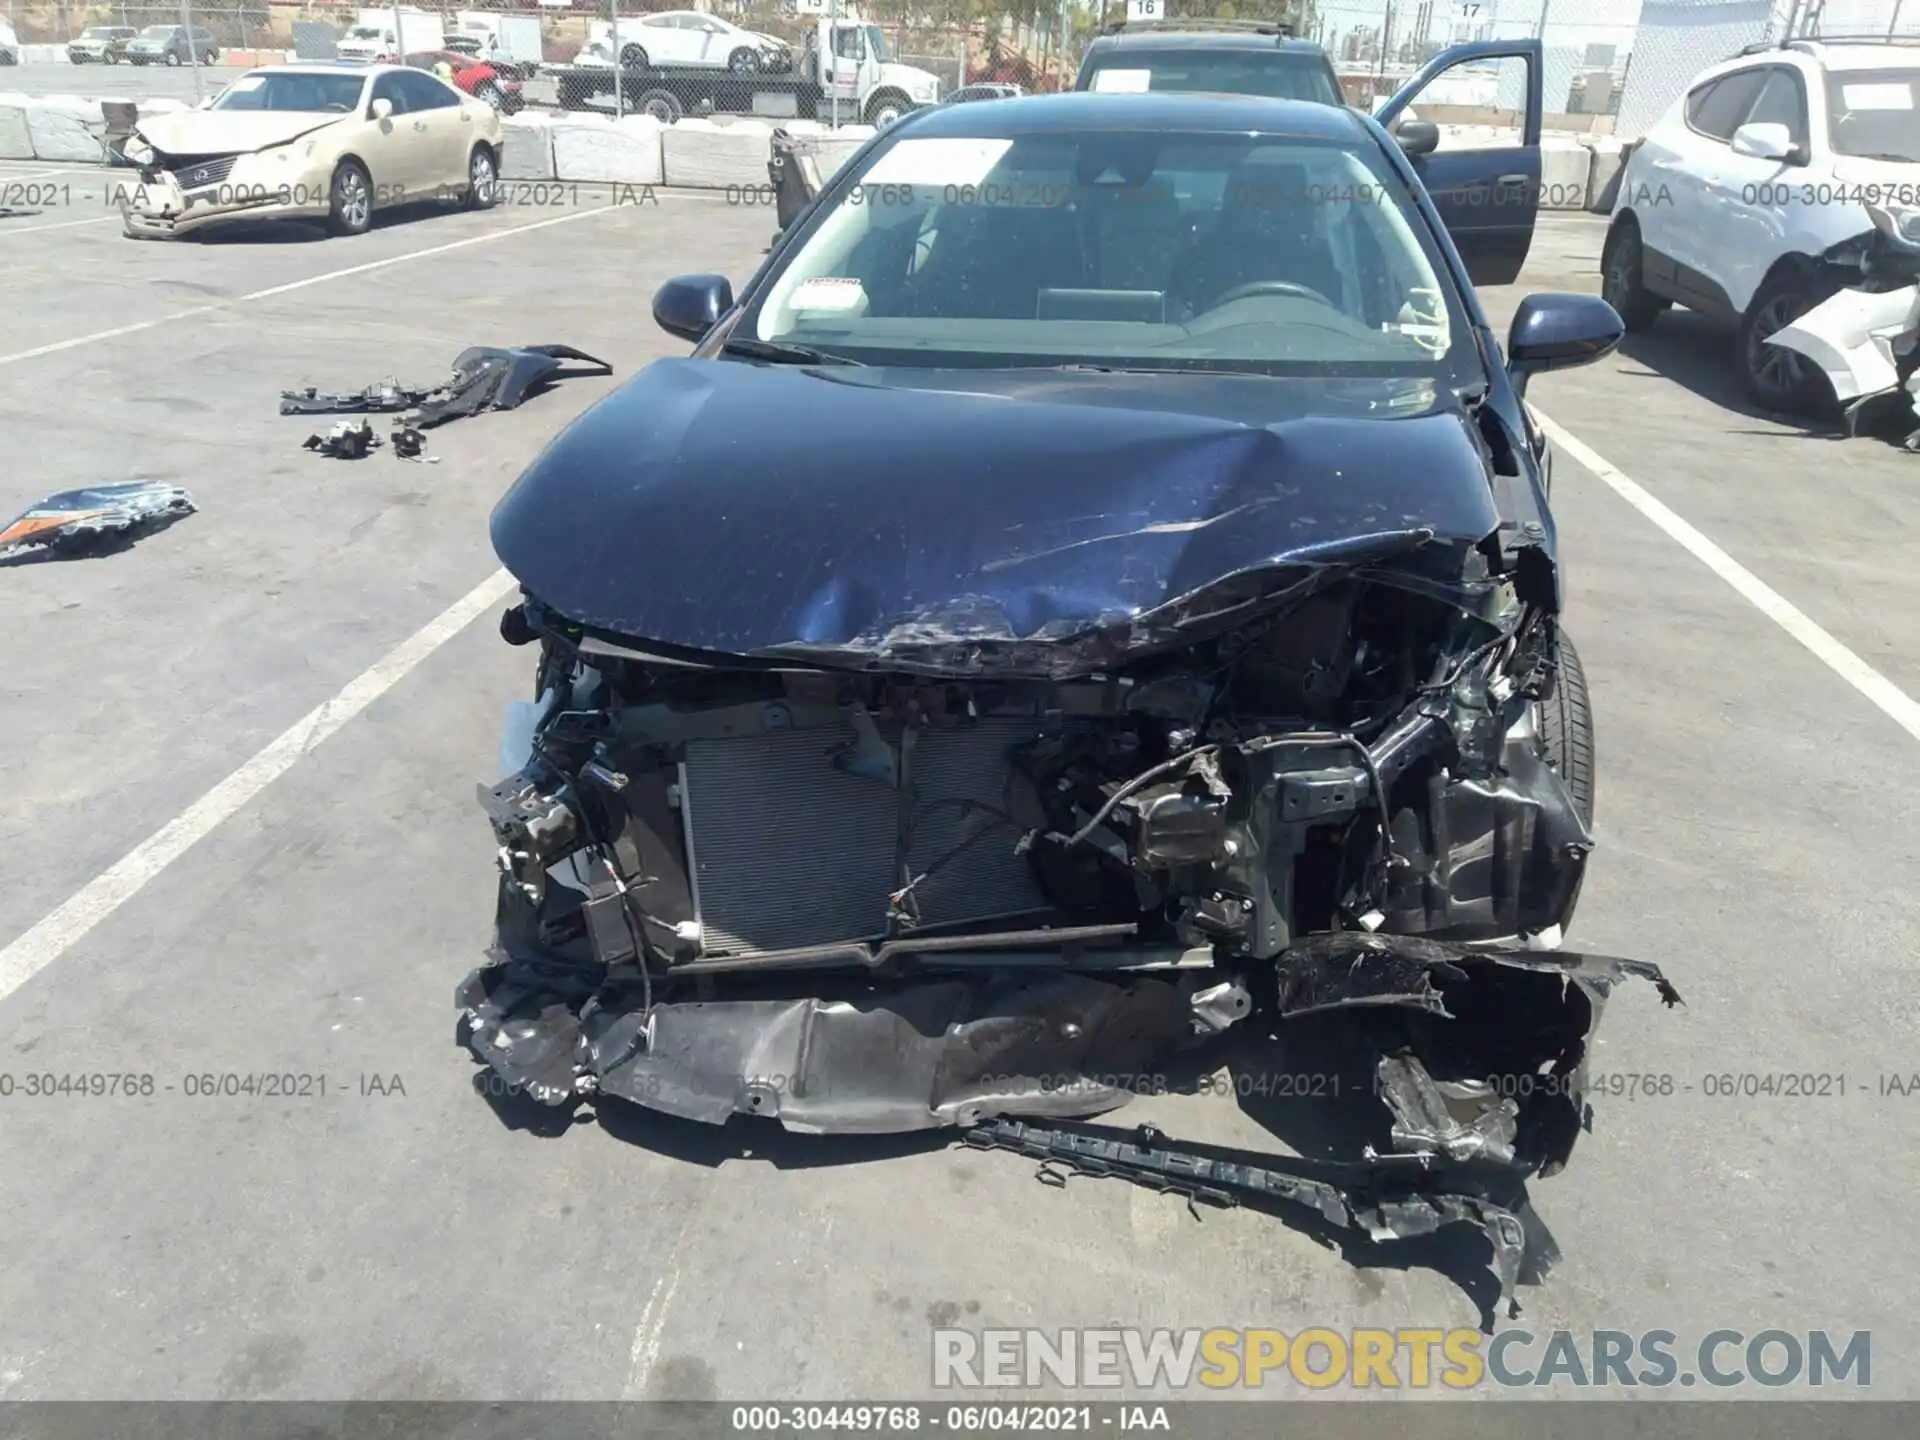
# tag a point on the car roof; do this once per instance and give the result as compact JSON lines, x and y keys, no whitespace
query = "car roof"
{"x":1203,"y":40}
{"x":1081,"y":110}
{"x":321,"y":67}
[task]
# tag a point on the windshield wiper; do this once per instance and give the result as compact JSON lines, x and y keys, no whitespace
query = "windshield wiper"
{"x":783,"y":354}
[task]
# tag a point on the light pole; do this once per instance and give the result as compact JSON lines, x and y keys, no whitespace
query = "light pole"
{"x":193,"y":50}
{"x":619,"y":65}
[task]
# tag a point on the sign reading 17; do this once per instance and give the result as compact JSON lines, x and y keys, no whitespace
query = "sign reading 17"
{"x":1469,"y":10}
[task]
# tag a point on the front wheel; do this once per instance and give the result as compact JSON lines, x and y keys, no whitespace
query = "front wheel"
{"x":1566,"y":728}
{"x":1775,"y":377}
{"x":173,"y":59}
{"x":493,"y":95}
{"x":483,"y":179}
{"x":885,"y":110}
{"x":112,"y":59}
{"x":209,"y":57}
{"x":743,"y":62}
{"x":633,"y":55}
{"x":350,"y":203}
{"x":1623,"y":279}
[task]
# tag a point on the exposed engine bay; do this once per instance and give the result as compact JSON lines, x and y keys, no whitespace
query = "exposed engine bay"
{"x":873,"y":900}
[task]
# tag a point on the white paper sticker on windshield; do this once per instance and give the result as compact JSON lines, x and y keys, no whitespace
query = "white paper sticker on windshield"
{"x":1895,"y":96}
{"x":937,"y":162}
{"x":825,"y":292}
{"x":1123,"y":82}
{"x":247,"y":84}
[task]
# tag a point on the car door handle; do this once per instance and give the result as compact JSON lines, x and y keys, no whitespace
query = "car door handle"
{"x":1512,"y":180}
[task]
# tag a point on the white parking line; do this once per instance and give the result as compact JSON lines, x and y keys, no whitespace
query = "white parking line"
{"x":6,"y":230}
{"x":142,"y":325}
{"x":54,"y":935}
{"x":1891,"y":700}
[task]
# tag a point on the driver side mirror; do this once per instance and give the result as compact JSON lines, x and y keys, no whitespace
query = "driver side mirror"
{"x":1417,"y":137}
{"x":1555,"y":331}
{"x":381,"y":109}
{"x":1767,"y":140}
{"x":690,"y":305}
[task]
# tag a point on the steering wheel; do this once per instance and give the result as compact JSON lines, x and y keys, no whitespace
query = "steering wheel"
{"x":1270,"y":287}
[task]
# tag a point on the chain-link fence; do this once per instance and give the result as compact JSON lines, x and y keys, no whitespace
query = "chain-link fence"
{"x":1611,"y":65}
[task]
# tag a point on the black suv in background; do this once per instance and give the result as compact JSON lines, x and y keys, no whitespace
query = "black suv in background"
{"x":1222,"y":57}
{"x":169,"y":45}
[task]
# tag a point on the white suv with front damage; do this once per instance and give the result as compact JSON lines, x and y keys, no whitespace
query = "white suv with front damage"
{"x":1749,"y":200}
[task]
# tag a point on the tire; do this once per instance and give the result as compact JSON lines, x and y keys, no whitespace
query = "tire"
{"x":1623,"y":278}
{"x":663,"y":105}
{"x":885,"y":109}
{"x":743,"y":62}
{"x":348,"y":214}
{"x":112,"y":59}
{"x":493,"y":95}
{"x":1777,"y":379}
{"x":1566,"y":728}
{"x":633,"y":55}
{"x":483,"y":179}
{"x":173,"y":59}
{"x":209,"y":57}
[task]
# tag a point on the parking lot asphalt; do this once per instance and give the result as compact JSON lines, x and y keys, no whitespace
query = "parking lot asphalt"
{"x":1756,"y":818}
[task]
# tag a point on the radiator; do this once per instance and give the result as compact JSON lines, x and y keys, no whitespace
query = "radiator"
{"x":789,"y":851}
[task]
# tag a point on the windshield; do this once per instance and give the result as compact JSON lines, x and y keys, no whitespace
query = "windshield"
{"x":96,"y":32}
{"x":320,"y":94}
{"x":158,"y":32}
{"x":877,"y":43}
{"x":1263,"y":254}
{"x":1279,"y":74}
{"x":1872,"y":113}
{"x":363,"y":32}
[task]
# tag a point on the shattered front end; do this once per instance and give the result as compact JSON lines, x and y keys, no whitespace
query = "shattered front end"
{"x":989,"y":866}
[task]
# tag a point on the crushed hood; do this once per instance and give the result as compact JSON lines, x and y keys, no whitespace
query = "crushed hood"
{"x":229,"y":132}
{"x":747,"y":509}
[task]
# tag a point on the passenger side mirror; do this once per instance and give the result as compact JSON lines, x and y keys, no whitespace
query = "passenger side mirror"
{"x":381,"y":109}
{"x":1556,"y":331}
{"x":1417,"y":137}
{"x":690,"y":305}
{"x":1766,"y":140}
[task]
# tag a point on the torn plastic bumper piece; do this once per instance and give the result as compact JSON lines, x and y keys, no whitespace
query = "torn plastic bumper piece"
{"x":1857,"y":338}
{"x":484,"y":378}
{"x":865,"y":1059}
{"x":99,"y":517}
{"x":387,"y":397}
{"x":1386,"y":1198}
{"x":1483,"y":1051}
{"x":490,"y":379}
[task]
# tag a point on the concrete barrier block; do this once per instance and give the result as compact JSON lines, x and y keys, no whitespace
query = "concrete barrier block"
{"x":1566,"y":170}
{"x":526,"y":146}
{"x":836,"y":147}
{"x":16,"y":143}
{"x":715,"y":154}
{"x":1609,"y":164}
{"x":622,"y":152}
{"x":65,"y":127}
{"x":43,"y":55}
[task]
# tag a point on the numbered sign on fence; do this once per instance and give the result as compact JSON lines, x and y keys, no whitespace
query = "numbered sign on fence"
{"x":1146,"y":9}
